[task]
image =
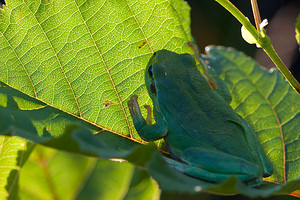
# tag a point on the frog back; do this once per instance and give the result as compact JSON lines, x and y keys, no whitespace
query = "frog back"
{"x":197,"y":114}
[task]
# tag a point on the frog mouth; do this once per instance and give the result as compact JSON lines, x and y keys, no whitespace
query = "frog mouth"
{"x":153,"y":87}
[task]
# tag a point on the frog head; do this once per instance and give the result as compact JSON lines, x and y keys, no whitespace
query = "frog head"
{"x":164,"y":69}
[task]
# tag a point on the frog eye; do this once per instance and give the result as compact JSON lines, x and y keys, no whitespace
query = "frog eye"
{"x":150,"y":71}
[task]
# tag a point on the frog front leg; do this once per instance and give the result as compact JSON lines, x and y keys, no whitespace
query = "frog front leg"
{"x":216,"y":166}
{"x":146,"y":130}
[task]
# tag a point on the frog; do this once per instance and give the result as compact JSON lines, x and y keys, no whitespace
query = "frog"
{"x":205,"y":138}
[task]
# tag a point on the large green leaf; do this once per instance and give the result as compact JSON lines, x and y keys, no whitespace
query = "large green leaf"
{"x":269,"y":105}
{"x":13,"y":154}
{"x":87,"y":58}
{"x":77,"y":59}
{"x":26,"y":117}
{"x":51,"y":174}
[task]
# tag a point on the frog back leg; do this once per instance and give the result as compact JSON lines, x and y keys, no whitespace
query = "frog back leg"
{"x":216,"y":166}
{"x":255,"y":145}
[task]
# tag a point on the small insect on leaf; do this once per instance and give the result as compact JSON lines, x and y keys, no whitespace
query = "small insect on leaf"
{"x":143,"y":44}
{"x":107,"y":103}
{"x":2,"y":2}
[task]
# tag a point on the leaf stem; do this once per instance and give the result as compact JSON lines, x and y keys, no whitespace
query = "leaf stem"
{"x":256,"y":14}
{"x":281,"y":67}
{"x":262,"y":40}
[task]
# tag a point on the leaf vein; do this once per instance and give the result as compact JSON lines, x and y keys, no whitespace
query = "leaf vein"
{"x":58,"y":60}
{"x":108,"y":72}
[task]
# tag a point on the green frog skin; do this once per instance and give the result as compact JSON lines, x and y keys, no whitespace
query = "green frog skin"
{"x":205,"y":137}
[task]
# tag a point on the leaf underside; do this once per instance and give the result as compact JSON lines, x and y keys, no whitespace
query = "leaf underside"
{"x":87,"y":58}
{"x":268,"y":104}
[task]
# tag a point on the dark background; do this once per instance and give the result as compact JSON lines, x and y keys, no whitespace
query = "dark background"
{"x":213,"y":25}
{"x":1,"y":3}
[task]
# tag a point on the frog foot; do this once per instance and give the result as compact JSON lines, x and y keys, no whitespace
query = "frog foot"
{"x":133,"y":103}
{"x":146,"y":130}
{"x":135,"y":111}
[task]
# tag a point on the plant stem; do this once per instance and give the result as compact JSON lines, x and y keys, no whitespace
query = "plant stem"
{"x":256,"y":14}
{"x":281,"y":67}
{"x":262,"y":40}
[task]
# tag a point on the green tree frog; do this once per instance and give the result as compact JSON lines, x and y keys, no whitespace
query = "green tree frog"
{"x":205,"y":137}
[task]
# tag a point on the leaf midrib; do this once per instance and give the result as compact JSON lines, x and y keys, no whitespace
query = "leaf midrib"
{"x":107,"y":70}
